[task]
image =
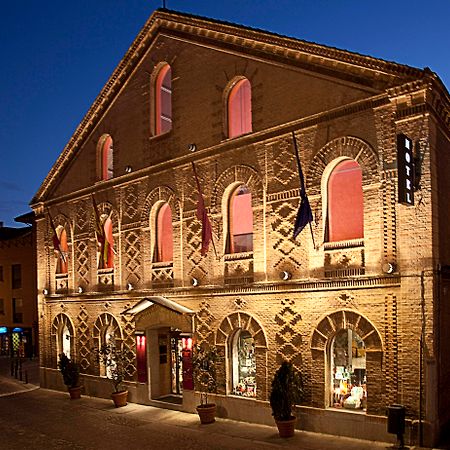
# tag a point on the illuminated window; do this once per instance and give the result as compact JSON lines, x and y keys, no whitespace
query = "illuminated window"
{"x":164,"y":235}
{"x":61,"y":262}
{"x":240,"y":109}
{"x":240,"y":219}
{"x":348,"y":371}
{"x":105,"y":157}
{"x":243,"y":364}
{"x":345,"y":218}
{"x":163,"y":97}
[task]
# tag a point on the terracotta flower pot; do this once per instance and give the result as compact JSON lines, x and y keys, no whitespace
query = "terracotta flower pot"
{"x":207,"y":413}
{"x":120,"y":398}
{"x":75,"y":392}
{"x":286,"y":428}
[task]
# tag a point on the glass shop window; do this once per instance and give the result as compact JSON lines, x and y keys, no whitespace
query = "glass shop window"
{"x":243,"y":364}
{"x":348,"y":371}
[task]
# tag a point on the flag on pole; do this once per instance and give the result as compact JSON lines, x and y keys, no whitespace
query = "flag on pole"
{"x":304,"y":214}
{"x":202,"y":215}
{"x":55,"y":239}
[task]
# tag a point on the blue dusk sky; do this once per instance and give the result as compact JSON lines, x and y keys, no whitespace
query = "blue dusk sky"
{"x":57,"y":55}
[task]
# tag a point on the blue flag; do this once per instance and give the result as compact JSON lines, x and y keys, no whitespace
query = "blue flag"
{"x":304,"y":214}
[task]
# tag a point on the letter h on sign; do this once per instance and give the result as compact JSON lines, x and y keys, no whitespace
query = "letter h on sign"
{"x":405,"y":170}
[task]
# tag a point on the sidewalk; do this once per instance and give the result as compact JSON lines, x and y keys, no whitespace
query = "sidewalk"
{"x":224,"y":433}
{"x":30,"y":376}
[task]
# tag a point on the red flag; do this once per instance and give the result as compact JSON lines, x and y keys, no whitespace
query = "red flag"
{"x":55,"y":239}
{"x":203,"y":216}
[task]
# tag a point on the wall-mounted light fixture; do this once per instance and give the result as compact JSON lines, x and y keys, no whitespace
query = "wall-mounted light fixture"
{"x":388,"y":267}
{"x":129,"y":287}
{"x":128,"y":169}
{"x":45,"y":291}
{"x":194,"y":281}
{"x":80,"y":289}
{"x":285,"y":275}
{"x":192,"y":147}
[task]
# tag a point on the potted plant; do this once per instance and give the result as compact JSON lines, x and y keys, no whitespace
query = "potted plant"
{"x":113,"y":360}
{"x":204,"y":361}
{"x":287,"y":391}
{"x":70,"y":371}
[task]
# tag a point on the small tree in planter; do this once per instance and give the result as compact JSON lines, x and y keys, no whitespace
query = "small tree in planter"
{"x":70,"y":371}
{"x":204,"y":360}
{"x":113,"y":359}
{"x":287,"y":391}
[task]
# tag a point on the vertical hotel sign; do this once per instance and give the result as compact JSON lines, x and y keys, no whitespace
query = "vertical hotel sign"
{"x":405,"y":170}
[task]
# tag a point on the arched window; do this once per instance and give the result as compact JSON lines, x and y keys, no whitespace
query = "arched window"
{"x":106,"y":246}
{"x":243,"y":364}
{"x":163,"y":100}
{"x":62,"y":329}
{"x":240,"y":109}
{"x":61,"y":262}
{"x":240,"y":220}
{"x":345,"y":219}
{"x":164,"y":235}
{"x":108,"y":338}
{"x":348,"y":371}
{"x":105,"y":157}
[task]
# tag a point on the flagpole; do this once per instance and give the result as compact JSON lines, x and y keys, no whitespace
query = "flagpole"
{"x":302,"y":181}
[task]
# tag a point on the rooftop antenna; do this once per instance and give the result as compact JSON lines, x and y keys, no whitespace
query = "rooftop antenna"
{"x":164,"y":4}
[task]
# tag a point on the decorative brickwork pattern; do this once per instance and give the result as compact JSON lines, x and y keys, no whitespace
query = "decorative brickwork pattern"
{"x":204,"y":320}
{"x":132,"y":260}
{"x":82,"y":258}
{"x":393,"y":377}
{"x":83,"y":335}
{"x":288,"y":337}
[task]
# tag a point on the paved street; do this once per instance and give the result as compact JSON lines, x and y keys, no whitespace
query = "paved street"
{"x":35,"y":418}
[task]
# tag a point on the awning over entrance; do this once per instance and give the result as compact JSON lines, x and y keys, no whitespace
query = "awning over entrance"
{"x":161,"y":301}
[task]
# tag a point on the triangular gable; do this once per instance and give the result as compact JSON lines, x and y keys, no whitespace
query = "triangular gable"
{"x":366,"y":70}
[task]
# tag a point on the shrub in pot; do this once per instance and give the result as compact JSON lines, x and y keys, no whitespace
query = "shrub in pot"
{"x":287,"y":391}
{"x":204,"y":360}
{"x":113,"y":359}
{"x":70,"y":371}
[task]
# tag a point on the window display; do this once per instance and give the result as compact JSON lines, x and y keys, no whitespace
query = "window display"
{"x":244,"y":364}
{"x":348,"y":371}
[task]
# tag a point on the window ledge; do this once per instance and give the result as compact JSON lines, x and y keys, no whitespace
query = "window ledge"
{"x":351,"y":243}
{"x":238,"y":256}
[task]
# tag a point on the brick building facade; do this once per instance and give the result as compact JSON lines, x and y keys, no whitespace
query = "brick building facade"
{"x":18,"y":309}
{"x":239,"y":97}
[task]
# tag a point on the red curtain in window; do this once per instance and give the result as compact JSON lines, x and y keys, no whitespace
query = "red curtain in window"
{"x":241,"y":222}
{"x":345,"y":202}
{"x":107,"y":158}
{"x":163,"y":93}
{"x":164,"y":234}
{"x":61,"y":266}
{"x":108,"y":226}
{"x":240,"y":109}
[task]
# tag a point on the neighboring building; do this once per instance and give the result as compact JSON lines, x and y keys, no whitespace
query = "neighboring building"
{"x":349,"y":308}
{"x":18,"y":304}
